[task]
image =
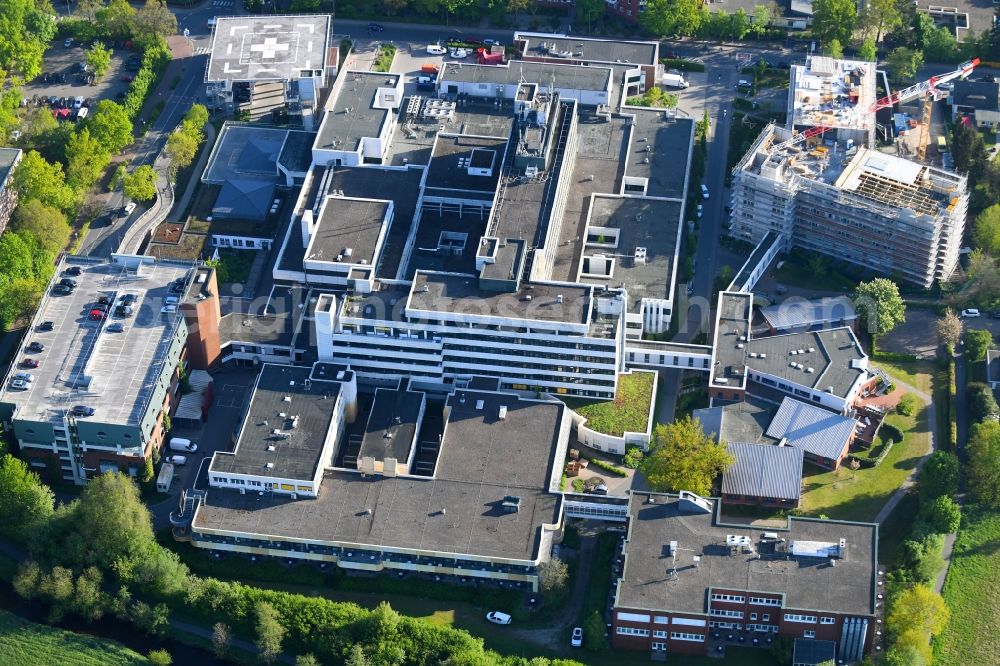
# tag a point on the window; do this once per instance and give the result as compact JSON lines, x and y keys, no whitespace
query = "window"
{"x":659,"y":634}
{"x":660,"y":647}
{"x":765,"y":601}
{"x":792,"y":617}
{"x":828,"y":620}
{"x":682,"y":636}
{"x":765,"y":617}
{"x":728,"y":597}
{"x":753,"y":616}
{"x":632,"y":631}
{"x":809,"y":633}
{"x":725,"y":613}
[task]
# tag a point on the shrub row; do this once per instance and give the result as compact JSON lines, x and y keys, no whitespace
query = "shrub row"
{"x":154,"y":61}
{"x":608,"y":467}
{"x":892,"y":433}
{"x":877,"y":460}
{"x":683,"y":65}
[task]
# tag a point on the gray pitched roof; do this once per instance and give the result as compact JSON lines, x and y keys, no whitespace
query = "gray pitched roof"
{"x":981,"y":95}
{"x":810,"y":428}
{"x":244,"y":199}
{"x":764,"y":470}
{"x":795,"y":314}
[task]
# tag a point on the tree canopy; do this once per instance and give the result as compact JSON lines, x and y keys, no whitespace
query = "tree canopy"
{"x":986,"y":230}
{"x":25,"y":502}
{"x":903,"y":64}
{"x":110,"y":125}
{"x":941,"y":515}
{"x":834,"y":19}
{"x":977,"y":342}
{"x":950,"y":327}
{"x":683,"y":457}
{"x":917,"y":614}
{"x":35,"y":178}
{"x":879,"y":306}
{"x":99,"y":59}
{"x":983,"y":469}
{"x":939,"y":475}
{"x":140,"y":185}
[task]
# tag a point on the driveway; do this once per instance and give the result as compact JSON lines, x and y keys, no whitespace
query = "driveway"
{"x":917,"y":335}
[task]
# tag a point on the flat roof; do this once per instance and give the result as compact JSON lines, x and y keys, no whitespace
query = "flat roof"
{"x":482,"y":460}
{"x":347,"y":224}
{"x":296,"y":152}
{"x":795,"y":313}
{"x":834,"y":357}
{"x":451,"y":161}
{"x":352,"y":115}
{"x":265,"y":48}
{"x":85,"y":364}
{"x":810,"y":428}
{"x":731,"y":335}
{"x":276,"y":328}
{"x":285,"y":427}
{"x":243,"y":152}
{"x":645,"y":251}
{"x":565,"y":77}
{"x":462,"y":295}
{"x":659,"y":151}
{"x":392,"y":424}
{"x":807,"y":583}
{"x":545,"y":45}
{"x":764,"y":470}
{"x":831,"y":92}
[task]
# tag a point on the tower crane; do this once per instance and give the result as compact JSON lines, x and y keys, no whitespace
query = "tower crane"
{"x":928,"y":89}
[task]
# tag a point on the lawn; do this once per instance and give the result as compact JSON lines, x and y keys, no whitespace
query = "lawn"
{"x":384,"y":57}
{"x":234,"y":265}
{"x":795,"y":272}
{"x":628,"y":412}
{"x":897,"y":528}
{"x":860,"y":495}
{"x":971,"y":592}
{"x":24,"y":643}
{"x":917,"y":374}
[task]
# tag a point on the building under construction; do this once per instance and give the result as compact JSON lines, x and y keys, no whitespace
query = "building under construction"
{"x":833,"y":93}
{"x":879,"y":211}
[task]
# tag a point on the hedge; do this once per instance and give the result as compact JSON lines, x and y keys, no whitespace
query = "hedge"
{"x":877,"y":460}
{"x":892,"y":433}
{"x":683,"y":65}
{"x":608,"y":467}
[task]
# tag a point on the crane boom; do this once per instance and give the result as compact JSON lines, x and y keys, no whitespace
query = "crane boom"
{"x":928,"y":87}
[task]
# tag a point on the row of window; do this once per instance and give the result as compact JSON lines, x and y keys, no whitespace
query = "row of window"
{"x":725,"y":613}
{"x":683,"y":636}
{"x":793,"y":617}
{"x":735,"y":598}
{"x":674,"y":635}
{"x":765,"y":601}
{"x":632,"y":631}
{"x":770,"y":628}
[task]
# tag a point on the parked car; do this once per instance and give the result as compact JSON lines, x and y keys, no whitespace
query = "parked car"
{"x":35,"y":347}
{"x":375,"y":27}
{"x":496,"y":617}
{"x":82,"y":410}
{"x":176,"y":460}
{"x":995,"y":314}
{"x":97,"y":315}
{"x":30,"y":363}
{"x":124,"y":311}
{"x":971,"y":313}
{"x":127,"y":209}
{"x":116,"y":327}
{"x":492,"y":42}
{"x":459,"y":53}
{"x":436,"y":49}
{"x":69,"y":42}
{"x":183,"y":445}
{"x":168,"y":309}
{"x":73,"y":271}
{"x":104,"y":300}
{"x":577,"y":639}
{"x":62,"y":290}
{"x":24,"y":376}
{"x":704,"y":191}
{"x":46,"y":326}
{"x":701,"y":210}
{"x":19,"y":385}
{"x":127,"y":299}
{"x":68,"y":282}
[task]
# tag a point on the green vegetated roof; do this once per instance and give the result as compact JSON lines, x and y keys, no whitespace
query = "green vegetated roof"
{"x":628,"y":412}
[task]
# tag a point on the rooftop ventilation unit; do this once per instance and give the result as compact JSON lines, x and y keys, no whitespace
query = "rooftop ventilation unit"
{"x":511,"y":504}
{"x":559,"y":298}
{"x":287,"y":398}
{"x":763,"y":355}
{"x":503,"y":412}
{"x":270,"y":448}
{"x":269,"y":465}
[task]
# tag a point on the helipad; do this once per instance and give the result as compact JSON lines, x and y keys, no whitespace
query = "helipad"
{"x":262,"y":48}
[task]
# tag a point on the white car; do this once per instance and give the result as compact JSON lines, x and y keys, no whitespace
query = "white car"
{"x":971,"y":313}
{"x":436,"y":49}
{"x":168,"y":309}
{"x":459,"y":54}
{"x":577,"y":639}
{"x":496,"y":617}
{"x":19,"y":385}
{"x":701,"y":210}
{"x":704,"y":191}
{"x":176,"y":460}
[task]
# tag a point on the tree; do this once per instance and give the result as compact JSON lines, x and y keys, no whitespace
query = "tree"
{"x":99,"y":59}
{"x":159,"y":658}
{"x":762,"y":17}
{"x":917,"y":614}
{"x":986,"y":230}
{"x":939,"y":475}
{"x":868,"y":51}
{"x":879,"y":306}
{"x":270,"y":632}
{"x":34,"y":178}
{"x":903,"y":64}
{"x":309,"y":660}
{"x":515,"y":7}
{"x":879,"y":17}
{"x":739,"y":24}
{"x":26,"y":27}
{"x":949,"y":328}
{"x":86,"y":160}
{"x":47,"y":225}
{"x":983,"y":469}
{"x":18,"y":298}
{"x":905,"y":655}
{"x":589,"y":11}
{"x":671,"y":17}
{"x":154,"y":20}
{"x":117,"y":19}
{"x":151,"y":619}
{"x":977,"y":343}
{"x":181,"y":149}
{"x":834,"y":19}
{"x":834,"y":49}
{"x":25,"y":502}
{"x":683,"y":457}
{"x":982,"y":405}
{"x":941,"y":515}
{"x":140,"y":185}
{"x":356,"y":657}
{"x":593,"y":631}
{"x":110,"y":125}
{"x":147,"y":471}
{"x":36,"y":122}
{"x":552,"y":575}
{"x":221,"y":637}
{"x":907,"y":405}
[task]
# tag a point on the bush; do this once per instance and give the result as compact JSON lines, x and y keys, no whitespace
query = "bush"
{"x":892,"y":433}
{"x":683,"y":65}
{"x":633,"y":457}
{"x":907,"y":405}
{"x":578,"y":485}
{"x":608,"y":467}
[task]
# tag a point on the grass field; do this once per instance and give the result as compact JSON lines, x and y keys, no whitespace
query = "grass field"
{"x":24,"y":643}
{"x":971,"y":637}
{"x":860,"y":495}
{"x":918,"y":374}
{"x":897,"y":528}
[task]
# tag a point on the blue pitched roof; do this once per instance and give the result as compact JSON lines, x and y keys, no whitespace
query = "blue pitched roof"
{"x":244,"y":199}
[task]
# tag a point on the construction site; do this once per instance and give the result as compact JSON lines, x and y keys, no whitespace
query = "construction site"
{"x":820,"y":184}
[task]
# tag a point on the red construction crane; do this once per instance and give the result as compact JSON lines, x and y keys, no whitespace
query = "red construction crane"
{"x":926,"y":88}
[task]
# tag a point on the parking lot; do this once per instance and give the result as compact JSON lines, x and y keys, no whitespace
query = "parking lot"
{"x":62,"y":77}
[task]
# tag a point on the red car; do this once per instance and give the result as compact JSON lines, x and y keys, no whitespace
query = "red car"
{"x":97,"y":315}
{"x":127,"y":78}
{"x":29,"y":363}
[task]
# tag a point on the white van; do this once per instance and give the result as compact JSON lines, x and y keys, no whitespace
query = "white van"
{"x":182,"y":444}
{"x":171,"y":300}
